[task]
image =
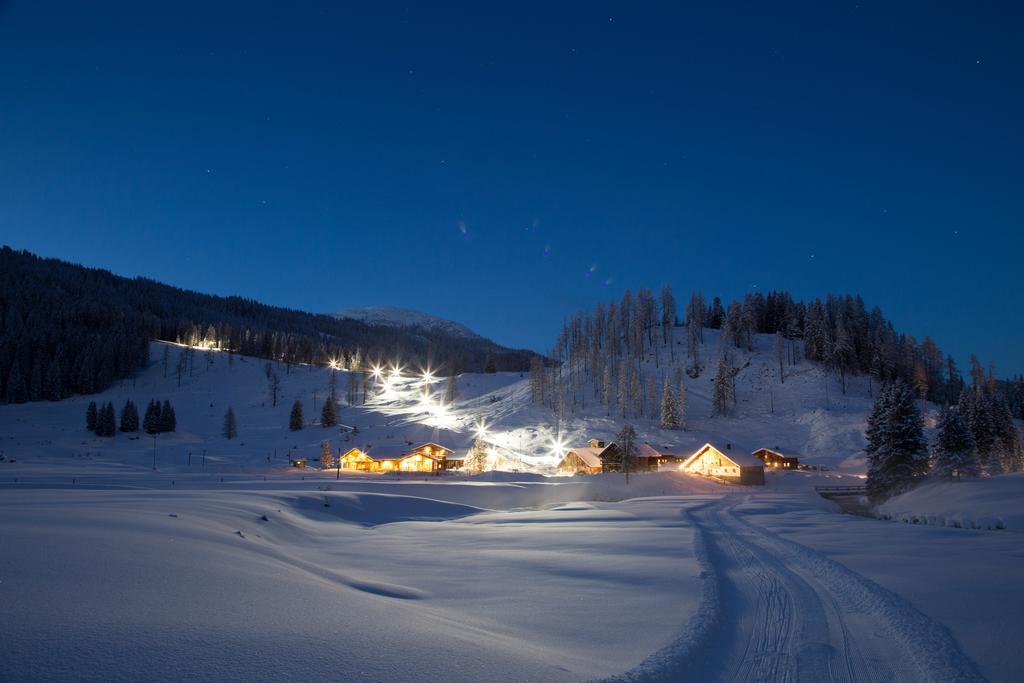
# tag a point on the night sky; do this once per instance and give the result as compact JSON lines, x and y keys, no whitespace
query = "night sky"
{"x":505,"y":165}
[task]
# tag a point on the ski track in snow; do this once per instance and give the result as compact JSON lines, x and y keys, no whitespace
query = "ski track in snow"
{"x":775,"y":610}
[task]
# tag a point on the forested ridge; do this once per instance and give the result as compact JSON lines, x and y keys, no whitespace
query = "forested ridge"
{"x":67,"y":329}
{"x":600,"y":353}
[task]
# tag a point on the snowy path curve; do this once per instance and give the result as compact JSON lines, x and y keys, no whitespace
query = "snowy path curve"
{"x":775,"y":610}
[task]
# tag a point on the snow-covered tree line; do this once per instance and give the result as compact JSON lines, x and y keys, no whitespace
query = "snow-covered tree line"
{"x":599,"y":356}
{"x":66,"y":329}
{"x":975,"y":437}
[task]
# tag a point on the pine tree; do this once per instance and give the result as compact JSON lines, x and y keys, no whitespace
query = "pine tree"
{"x":328,"y":416}
{"x":151,"y":420}
{"x":326,"y":455}
{"x":295,"y":420}
{"x":91,"y":416}
{"x":168,"y":420}
{"x":489,"y":367}
{"x":669,"y":408}
{"x":897,"y":453}
{"x":129,"y":417}
{"x":722,"y":397}
{"x":953,"y":454}
{"x":975,"y":407}
{"x":230,"y":429}
{"x":106,"y":421}
{"x":476,"y":459}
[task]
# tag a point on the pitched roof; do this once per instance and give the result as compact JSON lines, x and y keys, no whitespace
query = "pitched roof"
{"x":738,"y":457}
{"x":434,"y":444}
{"x":646,"y":450}
{"x":590,"y":456}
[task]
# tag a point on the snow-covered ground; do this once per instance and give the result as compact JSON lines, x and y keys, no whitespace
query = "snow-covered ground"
{"x":131,"y":576}
{"x":246,"y":568}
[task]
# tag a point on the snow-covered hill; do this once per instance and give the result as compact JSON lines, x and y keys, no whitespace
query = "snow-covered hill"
{"x":392,"y":316}
{"x":795,"y":417}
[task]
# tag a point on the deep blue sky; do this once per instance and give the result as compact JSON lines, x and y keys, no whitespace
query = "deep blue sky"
{"x":326,"y":155}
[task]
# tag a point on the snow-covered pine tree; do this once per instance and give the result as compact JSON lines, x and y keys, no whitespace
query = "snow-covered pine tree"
{"x":897,"y":452}
{"x":328,"y":416}
{"x":295,"y":421}
{"x":722,"y":397}
{"x":669,"y":408}
{"x":476,"y":458}
{"x":976,"y":409}
{"x":1007,"y":439}
{"x":841,"y":350}
{"x":953,"y":454}
{"x":326,"y":455}
{"x":90,"y":416}
{"x":230,"y":429}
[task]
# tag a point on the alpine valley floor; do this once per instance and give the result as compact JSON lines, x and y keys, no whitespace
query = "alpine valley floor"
{"x":125,"y":575}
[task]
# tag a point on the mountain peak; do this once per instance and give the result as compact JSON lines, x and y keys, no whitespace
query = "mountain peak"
{"x":392,"y":316}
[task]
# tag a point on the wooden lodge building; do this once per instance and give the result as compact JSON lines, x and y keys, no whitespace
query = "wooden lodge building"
{"x":739,"y":468}
{"x":427,"y":457}
{"x":597,"y":457}
{"x":775,"y":459}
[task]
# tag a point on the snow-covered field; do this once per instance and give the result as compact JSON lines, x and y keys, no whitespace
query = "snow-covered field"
{"x":245,"y":568}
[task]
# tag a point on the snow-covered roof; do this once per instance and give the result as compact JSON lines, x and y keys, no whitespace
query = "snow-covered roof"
{"x":646,"y":450}
{"x":590,"y":456}
{"x":432,"y":444}
{"x":738,"y":456}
